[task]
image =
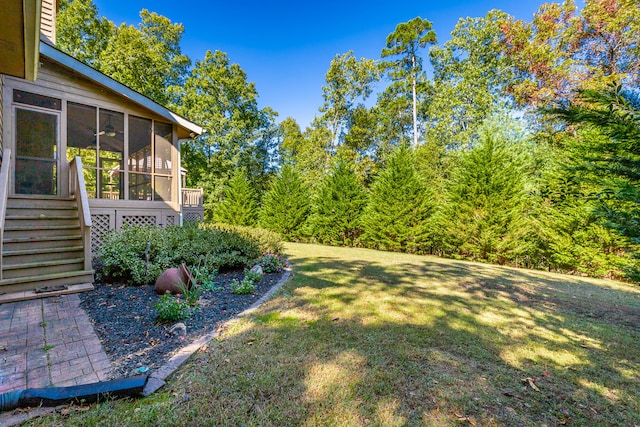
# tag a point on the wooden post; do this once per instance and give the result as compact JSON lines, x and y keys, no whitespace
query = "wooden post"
{"x":4,"y":194}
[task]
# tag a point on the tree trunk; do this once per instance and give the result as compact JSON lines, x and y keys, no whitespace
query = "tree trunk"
{"x":415,"y":104}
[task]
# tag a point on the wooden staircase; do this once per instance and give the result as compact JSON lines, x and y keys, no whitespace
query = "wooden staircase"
{"x":42,"y":248}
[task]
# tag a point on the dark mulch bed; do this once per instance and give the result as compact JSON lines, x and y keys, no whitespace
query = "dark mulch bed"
{"x":124,"y":317}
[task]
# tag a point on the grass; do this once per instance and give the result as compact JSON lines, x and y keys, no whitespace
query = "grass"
{"x":361,"y":337}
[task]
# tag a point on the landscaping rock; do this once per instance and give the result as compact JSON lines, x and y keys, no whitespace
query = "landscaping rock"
{"x":178,"y":329}
{"x":257,"y":269}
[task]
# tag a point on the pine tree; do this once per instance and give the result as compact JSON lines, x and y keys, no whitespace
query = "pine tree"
{"x":485,"y":201}
{"x":285,"y":207}
{"x":398,"y":212}
{"x":576,"y":213}
{"x":339,"y":204}
{"x":239,"y":206}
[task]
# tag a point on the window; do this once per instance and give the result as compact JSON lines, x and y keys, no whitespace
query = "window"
{"x":162,"y":165}
{"x":140,"y":158}
{"x":36,"y":170}
{"x":36,"y":137}
{"x":82,"y":141}
{"x":98,"y":136}
{"x":111,"y":155}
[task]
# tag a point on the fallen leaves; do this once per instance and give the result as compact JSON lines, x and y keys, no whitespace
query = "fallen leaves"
{"x":532,"y":383}
{"x":463,"y":419}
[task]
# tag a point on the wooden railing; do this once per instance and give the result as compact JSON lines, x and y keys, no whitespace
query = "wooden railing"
{"x":4,"y":194}
{"x":192,"y":208}
{"x":78,"y":190}
{"x":192,"y":197}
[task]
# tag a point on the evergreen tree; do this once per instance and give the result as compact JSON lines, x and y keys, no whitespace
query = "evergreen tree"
{"x":285,"y":207}
{"x":485,"y":202}
{"x":399,"y":208}
{"x":606,"y":152}
{"x":338,"y":207}
{"x":239,"y":206}
{"x":576,"y":239}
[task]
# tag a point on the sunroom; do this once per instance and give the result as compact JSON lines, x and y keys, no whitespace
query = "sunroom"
{"x":74,"y":118}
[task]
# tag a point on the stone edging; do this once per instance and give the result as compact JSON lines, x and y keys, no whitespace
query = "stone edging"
{"x":158,"y":378}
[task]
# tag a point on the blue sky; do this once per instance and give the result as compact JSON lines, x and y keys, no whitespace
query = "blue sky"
{"x":285,"y":47}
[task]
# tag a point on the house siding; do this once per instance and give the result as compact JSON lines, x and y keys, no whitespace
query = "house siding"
{"x":1,"y":104}
{"x":57,"y":81}
{"x":48,"y":20}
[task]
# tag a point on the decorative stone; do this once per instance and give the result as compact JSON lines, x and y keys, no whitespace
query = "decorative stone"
{"x":174,"y":280}
{"x":178,"y":329}
{"x":257,"y":269}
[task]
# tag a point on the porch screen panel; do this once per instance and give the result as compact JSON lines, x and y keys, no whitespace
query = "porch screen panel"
{"x":36,"y":152}
{"x":82,"y":140}
{"x":111,"y":155}
{"x":140,"y":165}
{"x":163,"y":150}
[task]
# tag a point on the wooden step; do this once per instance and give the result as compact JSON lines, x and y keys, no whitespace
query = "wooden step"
{"x":22,"y":252}
{"x":39,"y":222}
{"x":42,"y":248}
{"x":30,"y":269}
{"x":27,"y":283}
{"x":13,"y":216}
{"x":41,"y":242}
{"x":27,"y":295}
{"x":40,"y":203}
{"x":16,"y":232}
{"x":40,"y":255}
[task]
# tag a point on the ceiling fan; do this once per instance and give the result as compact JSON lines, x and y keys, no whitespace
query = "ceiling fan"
{"x":109,"y":130}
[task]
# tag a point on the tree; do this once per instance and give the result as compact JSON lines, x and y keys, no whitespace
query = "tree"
{"x":471,"y":74}
{"x":485,"y":204}
{"x":612,"y":159}
{"x":238,"y":133}
{"x":338,"y":206}
{"x":404,"y":44}
{"x":562,"y":51}
{"x":348,"y":80}
{"x":239,"y":206}
{"x":311,"y":156}
{"x":148,"y":58}
{"x":605,"y":152}
{"x":285,"y":207}
{"x":81,"y":32}
{"x":397,"y":214}
{"x":291,"y":140}
{"x":574,"y":235}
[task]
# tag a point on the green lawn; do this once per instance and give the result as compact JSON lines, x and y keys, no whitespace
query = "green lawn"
{"x":360,"y":337}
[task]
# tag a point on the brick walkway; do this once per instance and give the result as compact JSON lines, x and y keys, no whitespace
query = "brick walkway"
{"x":48,"y":342}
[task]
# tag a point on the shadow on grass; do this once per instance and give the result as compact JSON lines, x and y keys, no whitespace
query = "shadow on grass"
{"x":421,"y":341}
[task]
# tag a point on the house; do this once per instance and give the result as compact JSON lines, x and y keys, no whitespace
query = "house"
{"x":81,"y":154}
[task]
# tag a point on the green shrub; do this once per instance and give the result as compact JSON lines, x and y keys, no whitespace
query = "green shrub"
{"x":171,"y":308}
{"x":139,"y":254}
{"x":205,"y":272}
{"x":269,"y":241}
{"x":253,"y":276}
{"x":242,"y":288}
{"x":272,"y":263}
{"x":248,"y":283}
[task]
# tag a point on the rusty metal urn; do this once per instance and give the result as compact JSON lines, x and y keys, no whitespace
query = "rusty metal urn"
{"x":174,"y":280}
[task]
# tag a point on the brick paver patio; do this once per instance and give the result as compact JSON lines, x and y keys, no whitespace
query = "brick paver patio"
{"x":48,"y":342}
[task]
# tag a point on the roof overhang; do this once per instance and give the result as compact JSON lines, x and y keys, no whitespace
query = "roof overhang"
{"x":20,"y":38}
{"x":187,"y":127}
